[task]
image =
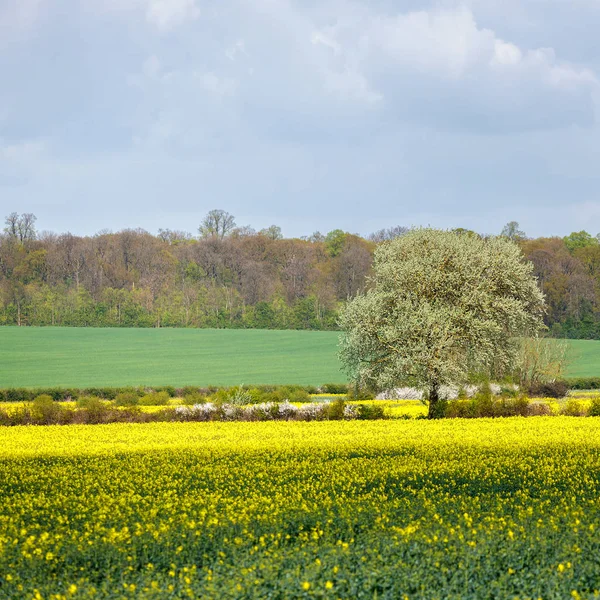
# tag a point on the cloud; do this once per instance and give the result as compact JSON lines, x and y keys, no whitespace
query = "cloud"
{"x":440,"y":67}
{"x":165,"y":15}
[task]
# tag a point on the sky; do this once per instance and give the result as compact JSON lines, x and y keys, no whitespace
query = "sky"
{"x":309,"y":114}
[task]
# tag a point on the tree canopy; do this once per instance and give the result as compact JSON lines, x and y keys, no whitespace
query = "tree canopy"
{"x":441,"y":307}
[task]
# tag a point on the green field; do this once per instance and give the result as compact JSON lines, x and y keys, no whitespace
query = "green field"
{"x":85,"y":357}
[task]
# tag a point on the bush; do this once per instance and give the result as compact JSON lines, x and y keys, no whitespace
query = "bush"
{"x":45,"y":411}
{"x":485,"y":405}
{"x":539,"y":409}
{"x":335,"y":410}
{"x":170,"y":390}
{"x":356,"y":393}
{"x":127,"y":399}
{"x":86,"y":401}
{"x":594,"y":410}
{"x":192,"y":398}
{"x":573,"y":408}
{"x":553,"y":389}
{"x":155,"y":399}
{"x":583,"y":383}
{"x":299,"y":395}
{"x":94,"y":410}
{"x":334,"y":388}
{"x":369,"y":412}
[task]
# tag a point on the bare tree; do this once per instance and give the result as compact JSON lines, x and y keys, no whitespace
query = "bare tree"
{"x":21,"y":227}
{"x":390,"y":233}
{"x":12,"y":225}
{"x":217,"y":224}
{"x":174,"y":236}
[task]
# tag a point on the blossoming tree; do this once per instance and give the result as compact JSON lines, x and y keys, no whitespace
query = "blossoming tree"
{"x":441,"y":306}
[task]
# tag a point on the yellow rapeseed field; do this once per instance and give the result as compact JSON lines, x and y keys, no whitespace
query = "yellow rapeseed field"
{"x":480,"y":508}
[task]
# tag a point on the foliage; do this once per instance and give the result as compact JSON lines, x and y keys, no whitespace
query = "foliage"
{"x":335,"y":388}
{"x":217,"y":224}
{"x":442,"y":306}
{"x":294,"y":510}
{"x":486,"y":406}
{"x":551,"y":389}
{"x":127,"y":399}
{"x":512,"y":232}
{"x":236,"y":278}
{"x":192,"y":398}
{"x":540,"y":361}
{"x":594,"y":410}
{"x":579,"y":239}
{"x":583,"y":383}
{"x":574,"y":408}
{"x":154,"y":399}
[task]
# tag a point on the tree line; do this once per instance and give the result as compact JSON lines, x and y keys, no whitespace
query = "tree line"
{"x":234,"y":277}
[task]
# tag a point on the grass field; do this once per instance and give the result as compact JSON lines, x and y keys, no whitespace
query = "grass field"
{"x":504,"y":508}
{"x":84,"y":357}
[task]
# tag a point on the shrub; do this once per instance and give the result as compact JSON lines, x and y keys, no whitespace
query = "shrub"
{"x":334,"y":388}
{"x":594,"y":409}
{"x":553,"y":389}
{"x":336,"y":410}
{"x":86,"y":401}
{"x":127,"y":399}
{"x":170,"y":390}
{"x":369,"y":411}
{"x":573,"y":408}
{"x":485,"y":405}
{"x":358,"y":393}
{"x":155,"y":399}
{"x":299,"y":395}
{"x":539,"y":409}
{"x":192,"y":398}
{"x":45,"y":411}
{"x":95,"y":410}
{"x":583,"y":383}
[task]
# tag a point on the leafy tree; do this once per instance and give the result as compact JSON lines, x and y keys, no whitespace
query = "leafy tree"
{"x":334,"y":242}
{"x":217,"y":224}
{"x":273,"y":232}
{"x":579,"y":239}
{"x":512,"y":232}
{"x":441,"y":307}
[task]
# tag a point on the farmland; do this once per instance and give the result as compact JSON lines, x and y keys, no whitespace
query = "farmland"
{"x":386,"y":509}
{"x":63,"y":356}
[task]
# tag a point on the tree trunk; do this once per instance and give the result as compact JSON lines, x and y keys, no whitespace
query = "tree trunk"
{"x":434,"y":401}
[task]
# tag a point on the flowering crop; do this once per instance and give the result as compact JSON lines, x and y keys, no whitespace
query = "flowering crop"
{"x":482,"y":508}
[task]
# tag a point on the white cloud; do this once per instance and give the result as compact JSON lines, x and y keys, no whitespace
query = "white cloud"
{"x":440,"y":64}
{"x":168,"y":14}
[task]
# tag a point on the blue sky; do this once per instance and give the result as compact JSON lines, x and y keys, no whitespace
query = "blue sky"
{"x":312,"y":114}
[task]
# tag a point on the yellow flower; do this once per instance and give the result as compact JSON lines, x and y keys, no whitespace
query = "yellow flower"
{"x":306,"y":585}
{"x":329,"y":585}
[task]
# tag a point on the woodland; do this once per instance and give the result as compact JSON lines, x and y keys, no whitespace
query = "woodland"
{"x":225,"y":276}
